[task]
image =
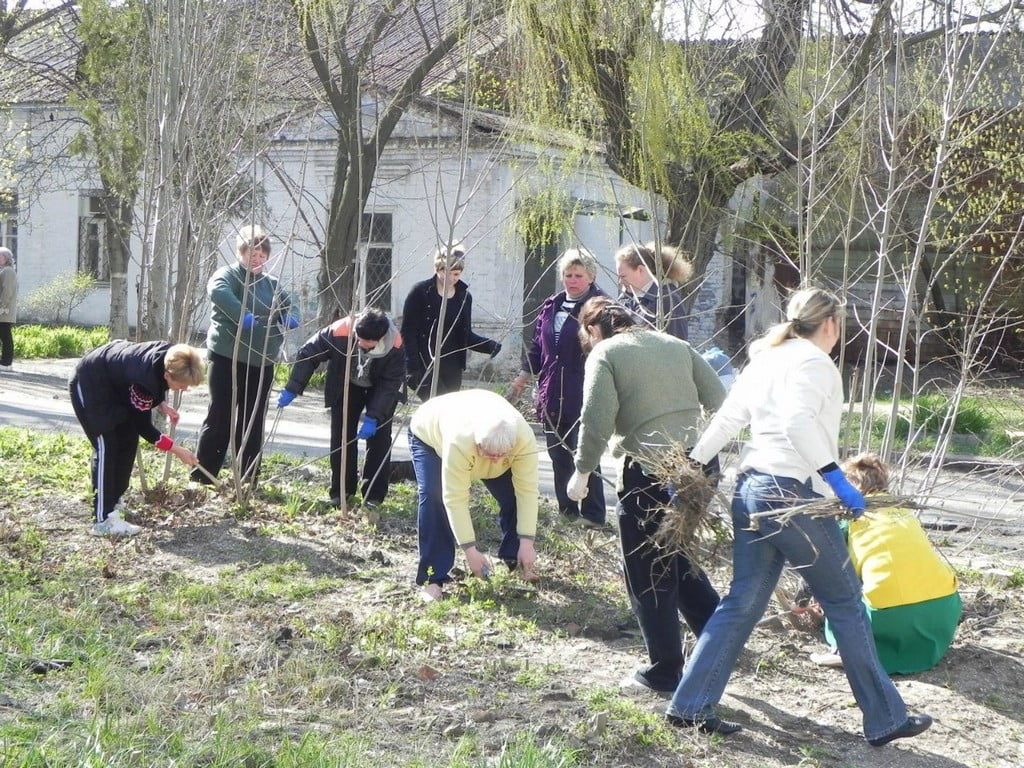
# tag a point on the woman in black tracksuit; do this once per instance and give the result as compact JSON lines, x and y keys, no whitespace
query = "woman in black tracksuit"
{"x":114,"y":390}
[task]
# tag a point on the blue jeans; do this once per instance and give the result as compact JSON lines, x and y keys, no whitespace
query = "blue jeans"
{"x":816,"y":548}
{"x":436,"y":540}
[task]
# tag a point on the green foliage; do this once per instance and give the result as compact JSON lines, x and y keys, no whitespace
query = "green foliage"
{"x":37,"y":341}
{"x":930,"y":412}
{"x":53,"y":302}
{"x":113,"y":96}
{"x":545,"y":218}
{"x":316,"y":382}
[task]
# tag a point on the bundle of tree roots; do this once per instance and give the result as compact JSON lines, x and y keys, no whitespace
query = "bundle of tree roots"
{"x":832,"y":507}
{"x":690,"y":524}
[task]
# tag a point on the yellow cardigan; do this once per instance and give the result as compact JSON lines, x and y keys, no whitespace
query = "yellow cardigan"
{"x":446,"y":424}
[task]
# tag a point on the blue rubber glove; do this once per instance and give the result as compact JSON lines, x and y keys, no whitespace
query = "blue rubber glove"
{"x":290,"y":322}
{"x":285,"y":398}
{"x":846,"y":493}
{"x":367,"y":428}
{"x":248,"y":320}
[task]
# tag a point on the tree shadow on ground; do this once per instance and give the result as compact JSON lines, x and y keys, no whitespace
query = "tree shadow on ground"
{"x":228,"y":542}
{"x":800,"y":741}
{"x":989,"y":678}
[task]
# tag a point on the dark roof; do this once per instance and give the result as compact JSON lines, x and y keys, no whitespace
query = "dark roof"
{"x":41,"y":65}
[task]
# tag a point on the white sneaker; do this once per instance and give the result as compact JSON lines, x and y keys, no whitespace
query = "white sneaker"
{"x":114,"y":525}
{"x":831,"y":659}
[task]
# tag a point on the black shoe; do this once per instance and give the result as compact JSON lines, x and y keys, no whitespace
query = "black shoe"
{"x":709,"y":724}
{"x":912,"y":726}
{"x":639,"y":681}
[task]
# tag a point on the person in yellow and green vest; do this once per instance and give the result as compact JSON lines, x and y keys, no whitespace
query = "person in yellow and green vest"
{"x":910,"y":591}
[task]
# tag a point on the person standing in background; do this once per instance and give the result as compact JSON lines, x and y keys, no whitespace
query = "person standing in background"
{"x":556,"y":359}
{"x":659,"y":305}
{"x":8,"y":307}
{"x":421,"y":319}
{"x":250,"y":313}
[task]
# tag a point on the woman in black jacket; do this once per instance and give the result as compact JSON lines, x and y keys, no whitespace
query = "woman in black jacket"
{"x":421,"y":317}
{"x":113,"y":391}
{"x":373,"y":347}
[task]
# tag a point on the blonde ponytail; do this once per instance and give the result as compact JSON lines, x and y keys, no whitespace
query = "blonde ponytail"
{"x":806,"y":310}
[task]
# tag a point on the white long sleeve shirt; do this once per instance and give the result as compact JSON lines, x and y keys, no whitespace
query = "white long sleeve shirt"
{"x":791,"y":396}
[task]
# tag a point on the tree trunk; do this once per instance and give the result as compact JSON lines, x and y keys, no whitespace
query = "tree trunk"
{"x":339,"y":268}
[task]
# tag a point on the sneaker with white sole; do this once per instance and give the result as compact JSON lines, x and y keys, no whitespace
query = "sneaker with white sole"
{"x":115,"y":525}
{"x":830,"y":659}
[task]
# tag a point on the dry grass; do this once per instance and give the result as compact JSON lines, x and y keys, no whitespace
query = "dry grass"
{"x":832,"y":507}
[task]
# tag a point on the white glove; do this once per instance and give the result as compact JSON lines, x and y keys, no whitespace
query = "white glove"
{"x":579,"y":485}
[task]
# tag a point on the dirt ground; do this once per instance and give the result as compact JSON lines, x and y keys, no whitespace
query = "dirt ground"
{"x":794,"y":713}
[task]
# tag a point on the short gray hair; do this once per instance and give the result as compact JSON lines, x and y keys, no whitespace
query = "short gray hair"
{"x":7,"y":256}
{"x":578,"y":257}
{"x":495,"y":433}
{"x":253,"y":237}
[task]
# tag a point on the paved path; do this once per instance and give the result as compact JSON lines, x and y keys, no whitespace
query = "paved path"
{"x":36,"y":396}
{"x":986,"y":496}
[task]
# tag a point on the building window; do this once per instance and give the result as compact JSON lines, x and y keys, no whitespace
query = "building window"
{"x":376,"y":252}
{"x":9,"y":221}
{"x":92,"y":235}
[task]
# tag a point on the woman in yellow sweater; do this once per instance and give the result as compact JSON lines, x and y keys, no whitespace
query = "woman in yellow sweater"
{"x":909,"y":589}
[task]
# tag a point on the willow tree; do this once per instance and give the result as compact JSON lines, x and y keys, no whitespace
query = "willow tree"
{"x":697,"y":119}
{"x":372,"y":58}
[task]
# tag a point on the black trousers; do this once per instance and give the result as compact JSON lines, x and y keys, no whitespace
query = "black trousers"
{"x":561,"y":441}
{"x":376,"y":465}
{"x":660,"y":585}
{"x":113,"y":457}
{"x":250,"y":410}
{"x":6,"y":344}
{"x":449,"y":379}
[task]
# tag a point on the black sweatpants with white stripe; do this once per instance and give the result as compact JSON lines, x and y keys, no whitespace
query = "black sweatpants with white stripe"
{"x":113,"y":457}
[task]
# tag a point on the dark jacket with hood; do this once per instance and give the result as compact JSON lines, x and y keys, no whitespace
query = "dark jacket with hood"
{"x":121,"y":382}
{"x":645,"y":308}
{"x":381,"y":369}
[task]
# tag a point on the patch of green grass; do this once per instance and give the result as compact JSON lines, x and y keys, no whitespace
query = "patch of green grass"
{"x":38,"y":464}
{"x":40,"y":341}
{"x":642,"y":725}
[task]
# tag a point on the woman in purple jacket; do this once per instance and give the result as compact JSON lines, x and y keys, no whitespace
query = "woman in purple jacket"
{"x":556,"y":359}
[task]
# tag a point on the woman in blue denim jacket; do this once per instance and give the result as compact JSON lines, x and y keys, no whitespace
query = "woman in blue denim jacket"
{"x":791,"y":396}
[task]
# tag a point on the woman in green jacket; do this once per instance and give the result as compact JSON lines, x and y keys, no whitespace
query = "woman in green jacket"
{"x":249,"y":315}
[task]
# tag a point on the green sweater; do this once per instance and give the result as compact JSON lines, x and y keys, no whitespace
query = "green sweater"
{"x":643,"y":390}
{"x":231,"y":299}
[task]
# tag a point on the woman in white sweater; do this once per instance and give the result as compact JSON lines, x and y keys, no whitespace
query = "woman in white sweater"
{"x":791,"y":396}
